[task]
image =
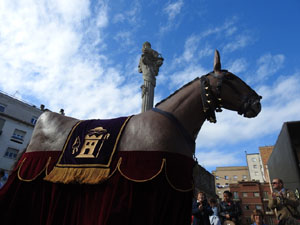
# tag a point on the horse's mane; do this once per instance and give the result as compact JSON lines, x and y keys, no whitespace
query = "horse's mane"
{"x":175,"y":92}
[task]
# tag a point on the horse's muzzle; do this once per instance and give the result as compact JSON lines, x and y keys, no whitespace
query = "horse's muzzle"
{"x":253,"y":107}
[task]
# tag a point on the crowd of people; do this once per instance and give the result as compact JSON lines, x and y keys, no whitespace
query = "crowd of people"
{"x":228,"y":212}
{"x":210,"y":212}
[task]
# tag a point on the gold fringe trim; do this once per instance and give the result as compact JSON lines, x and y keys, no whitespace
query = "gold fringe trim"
{"x":91,"y":175}
{"x":151,"y":178}
{"x":29,"y":180}
{"x":78,"y":175}
{"x":163,"y":165}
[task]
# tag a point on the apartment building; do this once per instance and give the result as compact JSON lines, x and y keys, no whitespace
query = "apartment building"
{"x":229,"y":175}
{"x":17,"y":120}
{"x":265,"y":153}
{"x":255,"y":167}
{"x":253,"y":195}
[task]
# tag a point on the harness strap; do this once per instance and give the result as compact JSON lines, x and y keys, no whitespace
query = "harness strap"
{"x":183,"y":131}
{"x":208,"y":100}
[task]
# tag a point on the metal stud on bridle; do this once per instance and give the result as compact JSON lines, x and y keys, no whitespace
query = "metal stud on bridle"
{"x":212,"y":102}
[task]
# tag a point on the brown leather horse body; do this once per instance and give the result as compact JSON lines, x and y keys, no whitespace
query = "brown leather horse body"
{"x":152,"y":131}
{"x":151,"y":177}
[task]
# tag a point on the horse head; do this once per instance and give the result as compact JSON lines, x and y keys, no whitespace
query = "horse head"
{"x":223,"y":89}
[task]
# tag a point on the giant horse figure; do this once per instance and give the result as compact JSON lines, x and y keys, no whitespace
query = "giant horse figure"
{"x":149,"y":179}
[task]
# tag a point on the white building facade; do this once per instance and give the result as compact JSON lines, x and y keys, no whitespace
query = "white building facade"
{"x":17,"y":120}
{"x":255,"y":167}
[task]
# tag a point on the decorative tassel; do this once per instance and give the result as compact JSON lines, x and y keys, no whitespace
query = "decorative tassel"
{"x":78,"y":175}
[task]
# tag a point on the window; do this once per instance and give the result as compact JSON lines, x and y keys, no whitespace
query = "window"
{"x":247,"y":207}
{"x":235,"y":177}
{"x":11,"y":153}
{"x":253,"y":159}
{"x":2,"y":121}
{"x":265,"y":193}
{"x":33,"y":120}
{"x":245,"y":194}
{"x":18,"y":136}
{"x":258,"y":207}
{"x":217,"y":178}
{"x":235,"y":195}
{"x":256,"y":194}
{"x":2,"y":107}
{"x":226,"y":177}
{"x":244,"y":177}
{"x":254,"y":166}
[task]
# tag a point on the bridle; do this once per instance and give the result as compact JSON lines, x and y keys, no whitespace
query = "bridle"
{"x":212,"y":102}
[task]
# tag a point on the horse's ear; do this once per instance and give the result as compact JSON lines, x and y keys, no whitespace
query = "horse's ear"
{"x":217,"y":61}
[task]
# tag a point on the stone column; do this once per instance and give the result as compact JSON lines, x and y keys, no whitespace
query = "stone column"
{"x":149,"y":64}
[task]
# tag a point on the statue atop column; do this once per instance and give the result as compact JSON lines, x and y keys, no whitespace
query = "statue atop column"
{"x":150,"y":62}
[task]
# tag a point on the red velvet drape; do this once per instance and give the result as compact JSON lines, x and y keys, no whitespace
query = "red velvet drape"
{"x":148,"y":188}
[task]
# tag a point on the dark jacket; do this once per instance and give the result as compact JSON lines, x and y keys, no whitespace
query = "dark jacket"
{"x":231,"y":208}
{"x":286,"y":205}
{"x":201,"y":217}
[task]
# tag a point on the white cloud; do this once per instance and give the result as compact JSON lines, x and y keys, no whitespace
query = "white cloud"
{"x":231,"y":30}
{"x":119,"y":18}
{"x":240,"y":41}
{"x":182,"y":77}
{"x":226,"y":28}
{"x":217,"y":157}
{"x":193,"y":52}
{"x":197,"y":46}
{"x":102,"y":16}
{"x":125,"y":37}
{"x":130,"y":15}
{"x":268,"y":65}
{"x":70,"y":11}
{"x":53,"y":52}
{"x":173,"y":9}
{"x":190,"y":47}
{"x":238,"y":66}
{"x":205,"y":51}
{"x":133,"y":14}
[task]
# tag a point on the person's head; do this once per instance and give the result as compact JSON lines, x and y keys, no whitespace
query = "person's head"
{"x":257,"y":216}
{"x":277,"y":184}
{"x":146,"y":45}
{"x":212,"y":202}
{"x":227,"y":195}
{"x":201,"y":196}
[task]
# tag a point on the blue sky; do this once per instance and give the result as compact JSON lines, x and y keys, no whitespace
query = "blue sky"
{"x":82,"y":56}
